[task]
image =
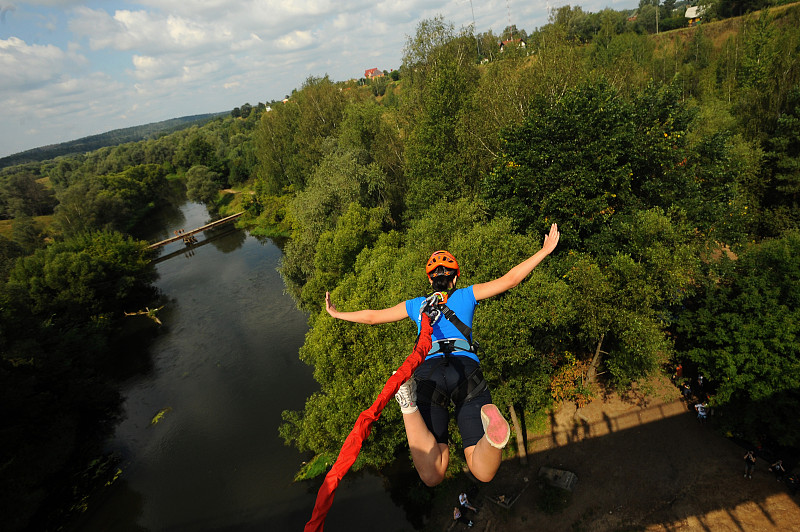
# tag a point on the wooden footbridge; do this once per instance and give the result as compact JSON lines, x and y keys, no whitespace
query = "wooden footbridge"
{"x":186,"y":236}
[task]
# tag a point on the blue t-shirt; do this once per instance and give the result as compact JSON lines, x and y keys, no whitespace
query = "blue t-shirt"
{"x":463,"y":303}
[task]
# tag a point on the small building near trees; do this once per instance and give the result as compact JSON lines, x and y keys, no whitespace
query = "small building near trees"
{"x":512,"y":42}
{"x":694,"y":14}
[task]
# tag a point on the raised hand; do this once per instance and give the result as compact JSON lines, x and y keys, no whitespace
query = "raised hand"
{"x":551,"y":240}
{"x":329,"y":306}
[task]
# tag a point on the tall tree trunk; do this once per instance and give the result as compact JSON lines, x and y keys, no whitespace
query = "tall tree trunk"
{"x":591,"y":372}
{"x":523,"y":452}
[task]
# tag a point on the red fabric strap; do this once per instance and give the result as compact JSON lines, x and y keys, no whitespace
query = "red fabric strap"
{"x":361,"y":429}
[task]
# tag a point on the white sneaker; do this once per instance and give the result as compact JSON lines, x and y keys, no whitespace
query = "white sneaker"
{"x":407,"y":396}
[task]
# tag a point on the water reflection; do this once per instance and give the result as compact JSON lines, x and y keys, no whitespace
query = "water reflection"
{"x":234,"y":238}
{"x":224,"y":367}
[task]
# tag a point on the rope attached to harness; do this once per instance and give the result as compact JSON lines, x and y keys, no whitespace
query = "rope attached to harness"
{"x":361,"y":429}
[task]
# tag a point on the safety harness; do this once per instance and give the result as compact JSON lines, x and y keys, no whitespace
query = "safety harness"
{"x":471,"y":385}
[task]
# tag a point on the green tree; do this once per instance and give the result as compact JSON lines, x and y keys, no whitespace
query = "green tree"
{"x":24,"y":195}
{"x":72,"y":281}
{"x":276,"y":148}
{"x":372,"y":134}
{"x":742,"y":332}
{"x":290,"y":139}
{"x":26,"y":233}
{"x":321,"y":107}
{"x":444,"y":77}
{"x":782,"y":197}
{"x":587,"y":157}
{"x":87,"y":205}
{"x":198,"y":149}
{"x":113,"y":201}
{"x":203,"y":184}
{"x":337,"y":182}
{"x":9,"y":252}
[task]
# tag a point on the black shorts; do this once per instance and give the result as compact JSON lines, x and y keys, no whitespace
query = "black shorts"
{"x":446,"y":373}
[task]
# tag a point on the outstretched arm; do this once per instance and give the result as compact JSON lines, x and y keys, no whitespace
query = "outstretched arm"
{"x":516,"y":274}
{"x":370,"y":317}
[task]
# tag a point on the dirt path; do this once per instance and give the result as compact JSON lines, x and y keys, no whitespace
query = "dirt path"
{"x":643,"y":463}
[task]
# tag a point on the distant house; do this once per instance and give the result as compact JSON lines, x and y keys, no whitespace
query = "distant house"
{"x":373,"y":73}
{"x":694,"y":14}
{"x":516,"y":42}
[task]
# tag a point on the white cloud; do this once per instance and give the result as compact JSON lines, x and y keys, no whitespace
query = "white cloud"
{"x":148,"y":67}
{"x":295,"y":40}
{"x":246,"y":44}
{"x":145,"y":31}
{"x":25,"y":66}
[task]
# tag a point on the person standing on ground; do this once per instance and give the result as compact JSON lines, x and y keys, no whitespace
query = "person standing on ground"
{"x":459,"y":516}
{"x":778,"y":469}
{"x":464,"y":502}
{"x":451,"y":370}
{"x":749,"y":464}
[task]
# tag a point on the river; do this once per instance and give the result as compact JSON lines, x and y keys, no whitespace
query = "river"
{"x":223,"y":370}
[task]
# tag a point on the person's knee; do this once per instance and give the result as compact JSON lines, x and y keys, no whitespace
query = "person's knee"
{"x":431,"y":478}
{"x":484,"y":476}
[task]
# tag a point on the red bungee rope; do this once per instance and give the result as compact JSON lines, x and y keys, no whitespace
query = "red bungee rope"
{"x":352,"y":444}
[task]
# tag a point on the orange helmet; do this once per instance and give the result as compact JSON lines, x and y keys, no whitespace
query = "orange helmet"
{"x":442,"y":258}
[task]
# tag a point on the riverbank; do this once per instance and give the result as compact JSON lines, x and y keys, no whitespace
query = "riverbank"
{"x":643,"y":462}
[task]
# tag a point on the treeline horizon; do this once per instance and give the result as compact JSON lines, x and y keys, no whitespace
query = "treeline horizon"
{"x":113,"y":137}
{"x":669,"y":161}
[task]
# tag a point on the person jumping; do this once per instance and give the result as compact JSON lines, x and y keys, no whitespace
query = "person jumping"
{"x":451,"y":371}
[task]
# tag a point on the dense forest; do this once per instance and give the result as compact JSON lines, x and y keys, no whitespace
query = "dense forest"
{"x":669,"y":159}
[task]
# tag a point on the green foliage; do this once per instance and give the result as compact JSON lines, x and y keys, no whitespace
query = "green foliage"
{"x":73,"y":280}
{"x":9,"y":251}
{"x":587,"y":157}
{"x":742,"y":332}
{"x":290,"y":139}
{"x":203,"y":184}
{"x":336,"y":251}
{"x":22,"y":195}
{"x":199,"y":149}
{"x":626,"y":299}
{"x":444,"y":75}
{"x":782,"y":194}
{"x":371,"y":134}
{"x":113,"y":201}
{"x":27,"y":234}
{"x":315,"y":467}
{"x":504,"y":92}
{"x":276,"y":149}
{"x":338,"y":181}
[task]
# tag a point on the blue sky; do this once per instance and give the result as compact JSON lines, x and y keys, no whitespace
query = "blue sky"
{"x":71,"y":68}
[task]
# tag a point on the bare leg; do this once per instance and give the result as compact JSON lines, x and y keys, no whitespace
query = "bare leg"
{"x":483,"y":460}
{"x":430,"y":457}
